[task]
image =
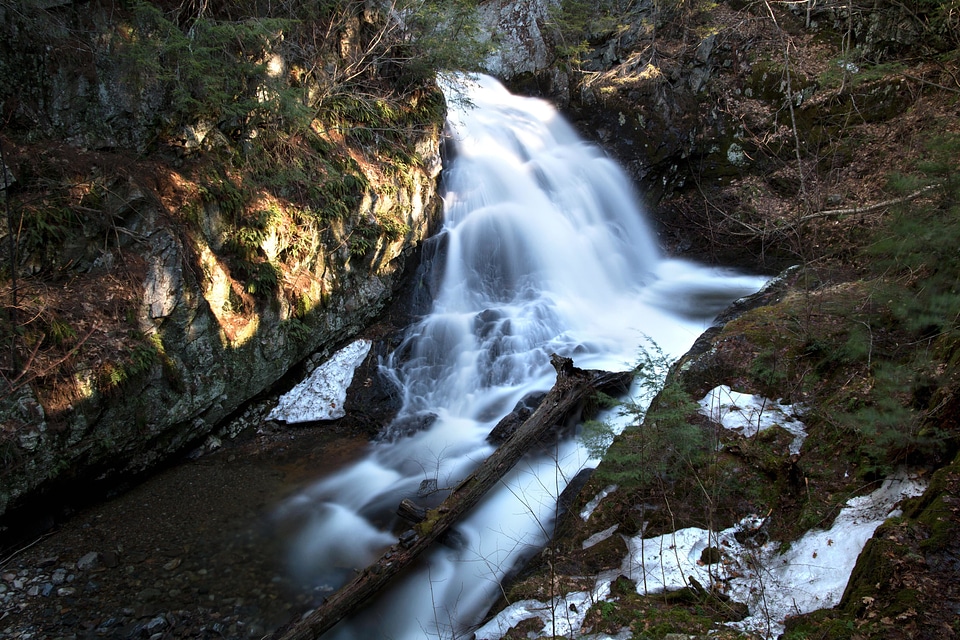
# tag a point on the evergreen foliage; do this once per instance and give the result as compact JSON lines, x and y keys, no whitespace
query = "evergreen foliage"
{"x":344,"y":59}
{"x":282,"y":86}
{"x":660,"y":440}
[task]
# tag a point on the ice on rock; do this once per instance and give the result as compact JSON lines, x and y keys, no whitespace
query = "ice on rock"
{"x":321,"y":395}
{"x":748,"y":414}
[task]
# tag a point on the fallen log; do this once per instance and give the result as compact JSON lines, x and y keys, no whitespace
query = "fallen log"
{"x":572,"y":388}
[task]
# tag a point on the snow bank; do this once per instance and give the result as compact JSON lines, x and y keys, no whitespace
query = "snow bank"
{"x":563,"y":617}
{"x":813,"y":573}
{"x":810,"y":575}
{"x":749,"y":414}
{"x":322,"y":394}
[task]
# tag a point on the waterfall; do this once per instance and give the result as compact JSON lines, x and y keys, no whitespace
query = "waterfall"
{"x":546,"y":251}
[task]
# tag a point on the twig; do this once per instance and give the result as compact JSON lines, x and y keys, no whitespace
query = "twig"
{"x":789,"y":96}
{"x":932,"y":84}
{"x":18,"y":381}
{"x":14,"y":363}
{"x":13,"y":555}
{"x":873,"y":207}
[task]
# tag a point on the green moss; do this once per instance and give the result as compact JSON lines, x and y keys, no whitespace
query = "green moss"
{"x":424,"y":527}
{"x":819,"y":625}
{"x":936,"y":510}
{"x":768,"y":81}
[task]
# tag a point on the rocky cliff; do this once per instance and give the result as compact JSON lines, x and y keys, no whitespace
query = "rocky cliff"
{"x":195,"y":203}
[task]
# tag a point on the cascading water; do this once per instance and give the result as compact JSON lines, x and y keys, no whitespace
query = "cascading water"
{"x":547,"y":252}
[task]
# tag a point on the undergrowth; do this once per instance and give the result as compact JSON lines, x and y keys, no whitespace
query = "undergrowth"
{"x":659,"y":438}
{"x":270,"y":127}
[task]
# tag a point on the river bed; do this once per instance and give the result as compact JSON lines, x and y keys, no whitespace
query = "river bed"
{"x":191,"y":553}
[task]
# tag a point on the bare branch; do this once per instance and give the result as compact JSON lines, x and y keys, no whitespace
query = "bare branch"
{"x":873,"y":207}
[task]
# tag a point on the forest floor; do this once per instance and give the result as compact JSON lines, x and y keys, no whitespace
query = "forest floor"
{"x":194,"y":551}
{"x":848,"y":171}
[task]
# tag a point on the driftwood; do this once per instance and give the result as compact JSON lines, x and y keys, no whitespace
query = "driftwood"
{"x":572,"y":387}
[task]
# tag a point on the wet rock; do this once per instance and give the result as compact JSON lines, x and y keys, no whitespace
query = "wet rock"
{"x":157,"y":624}
{"x":89,"y":561}
{"x":108,"y":624}
{"x":454,"y":539}
{"x":406,"y":426}
{"x":148,"y":594}
{"x":710,"y":555}
{"x":513,"y":420}
{"x":427,"y":487}
{"x":411,"y":511}
{"x":569,"y":495}
{"x":407,"y":538}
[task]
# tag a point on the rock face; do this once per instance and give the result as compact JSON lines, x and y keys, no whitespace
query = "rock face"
{"x":525,"y":44}
{"x":212,"y":357}
{"x":198,"y":293}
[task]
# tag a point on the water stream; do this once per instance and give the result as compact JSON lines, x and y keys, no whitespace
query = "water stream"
{"x":546,"y":251}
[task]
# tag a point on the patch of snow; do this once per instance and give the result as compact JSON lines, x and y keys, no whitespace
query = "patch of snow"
{"x":563,"y":617}
{"x":749,"y":414}
{"x":666,"y":562}
{"x":593,"y":504}
{"x":736,"y":155}
{"x":812,"y":574}
{"x":849,"y":67}
{"x":597,"y":538}
{"x":322,"y":394}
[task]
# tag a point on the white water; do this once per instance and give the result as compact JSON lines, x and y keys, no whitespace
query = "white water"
{"x":547,"y":251}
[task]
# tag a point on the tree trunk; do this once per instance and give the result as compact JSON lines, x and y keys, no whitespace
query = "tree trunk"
{"x":573,"y":386}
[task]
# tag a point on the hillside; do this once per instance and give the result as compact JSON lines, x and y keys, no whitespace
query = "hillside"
{"x":768,"y":135}
{"x":192,"y":183}
{"x":189,"y":184}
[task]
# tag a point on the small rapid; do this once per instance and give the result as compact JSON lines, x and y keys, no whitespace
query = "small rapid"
{"x":546,"y":250}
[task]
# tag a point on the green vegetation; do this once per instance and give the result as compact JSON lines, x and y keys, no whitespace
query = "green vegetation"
{"x":263,"y":128}
{"x":247,"y":67}
{"x":580,"y":26}
{"x":208,"y":69}
{"x":660,"y":441}
{"x":577,"y":23}
{"x":689,"y":611}
{"x":905,"y":328}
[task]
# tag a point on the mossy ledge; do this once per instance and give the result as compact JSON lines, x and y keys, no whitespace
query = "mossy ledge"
{"x":181,"y":246}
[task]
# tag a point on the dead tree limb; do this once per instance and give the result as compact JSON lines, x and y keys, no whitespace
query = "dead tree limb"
{"x":572,"y":388}
{"x":870,"y":208}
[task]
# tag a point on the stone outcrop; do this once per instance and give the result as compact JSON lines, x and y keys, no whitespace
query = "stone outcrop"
{"x":212,"y":357}
{"x":207,"y":318}
{"x":525,"y":45}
